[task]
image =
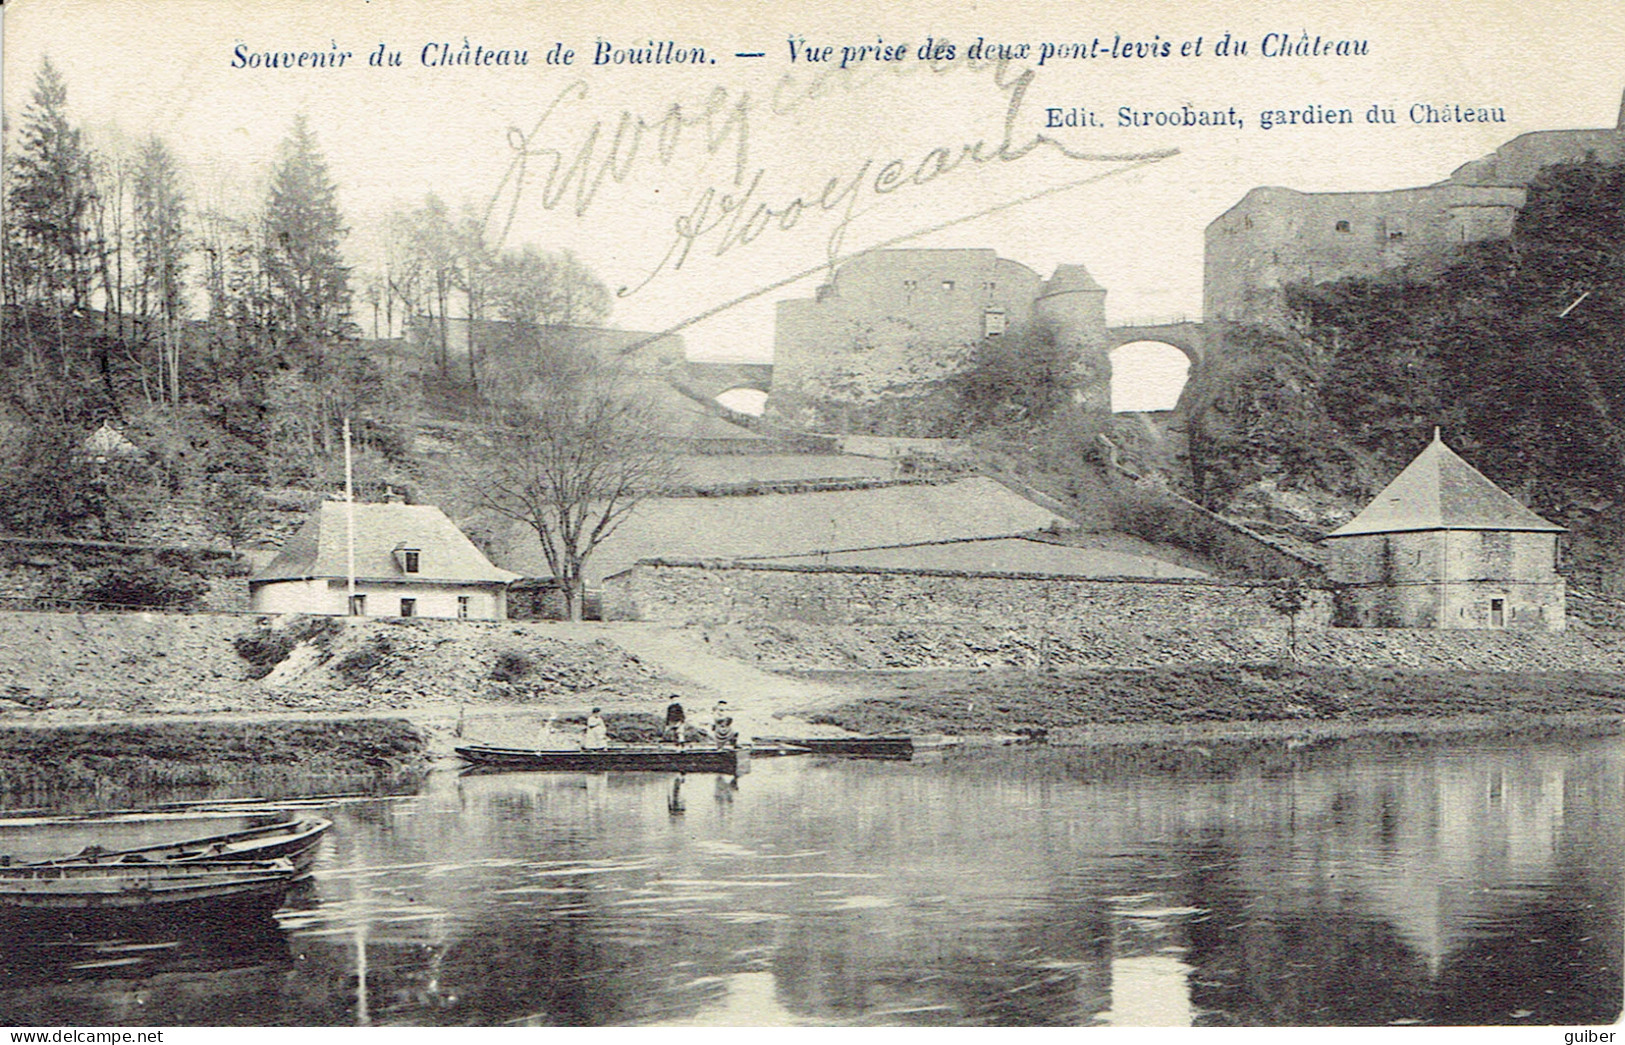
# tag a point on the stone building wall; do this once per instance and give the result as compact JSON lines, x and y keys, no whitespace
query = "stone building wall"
{"x":692,"y":592}
{"x":1448,"y":579}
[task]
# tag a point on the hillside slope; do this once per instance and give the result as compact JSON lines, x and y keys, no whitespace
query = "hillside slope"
{"x":1517,"y":352}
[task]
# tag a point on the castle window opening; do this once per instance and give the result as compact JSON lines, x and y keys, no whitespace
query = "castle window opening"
{"x":947,"y":286}
{"x":409,"y":607}
{"x":908,"y":289}
{"x":1497,"y":612}
{"x":993,"y":322}
{"x":1342,"y":226}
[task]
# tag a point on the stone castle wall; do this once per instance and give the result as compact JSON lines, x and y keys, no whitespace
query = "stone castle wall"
{"x":892,"y":324}
{"x":1277,"y":236}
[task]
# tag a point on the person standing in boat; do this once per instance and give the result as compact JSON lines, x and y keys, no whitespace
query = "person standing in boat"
{"x":676,"y":721}
{"x":597,"y":735}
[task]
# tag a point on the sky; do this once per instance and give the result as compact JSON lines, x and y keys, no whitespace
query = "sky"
{"x":834,"y":154}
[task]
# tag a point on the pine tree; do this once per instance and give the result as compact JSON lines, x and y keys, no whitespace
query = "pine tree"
{"x":50,"y":198}
{"x":51,"y":250}
{"x":309,"y":282}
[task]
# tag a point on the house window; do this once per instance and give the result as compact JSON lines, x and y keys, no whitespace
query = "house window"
{"x":1497,"y":613}
{"x":1342,"y":226}
{"x":409,"y":607}
{"x":409,"y":560}
{"x":462,"y":607}
{"x":358,"y":605}
{"x":947,"y":286}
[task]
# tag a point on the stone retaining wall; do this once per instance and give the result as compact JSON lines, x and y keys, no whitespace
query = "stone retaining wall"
{"x":693,"y":592}
{"x":811,"y":617}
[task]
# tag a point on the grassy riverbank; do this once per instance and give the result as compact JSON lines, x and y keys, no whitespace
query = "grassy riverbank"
{"x":248,"y":757}
{"x":1153,"y":699}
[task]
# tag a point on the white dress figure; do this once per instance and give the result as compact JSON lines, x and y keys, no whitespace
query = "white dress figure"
{"x":597,"y":736}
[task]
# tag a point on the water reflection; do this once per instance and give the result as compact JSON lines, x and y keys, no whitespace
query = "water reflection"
{"x":1466,"y":884}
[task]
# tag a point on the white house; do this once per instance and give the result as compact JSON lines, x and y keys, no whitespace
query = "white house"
{"x":410,"y":561}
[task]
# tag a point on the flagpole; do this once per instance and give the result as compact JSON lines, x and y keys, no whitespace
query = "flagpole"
{"x":349,"y":524}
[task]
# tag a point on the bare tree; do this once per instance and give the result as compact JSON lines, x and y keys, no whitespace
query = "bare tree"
{"x":569,"y":446}
{"x":529,"y":286}
{"x":160,"y":247}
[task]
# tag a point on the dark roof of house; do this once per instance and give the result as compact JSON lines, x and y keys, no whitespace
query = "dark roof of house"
{"x":318,"y":549}
{"x":1440,"y":491}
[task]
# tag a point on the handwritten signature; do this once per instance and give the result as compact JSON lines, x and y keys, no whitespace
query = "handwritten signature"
{"x":723,"y":217}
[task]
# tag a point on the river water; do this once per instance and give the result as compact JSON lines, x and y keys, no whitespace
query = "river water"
{"x":1372,"y":883}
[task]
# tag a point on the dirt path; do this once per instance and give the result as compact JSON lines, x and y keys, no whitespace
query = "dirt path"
{"x":763,"y":703}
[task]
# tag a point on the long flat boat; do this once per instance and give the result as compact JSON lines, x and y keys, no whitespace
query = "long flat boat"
{"x":196,"y":891}
{"x":293,"y":840}
{"x":656,"y":758}
{"x":851,"y":747}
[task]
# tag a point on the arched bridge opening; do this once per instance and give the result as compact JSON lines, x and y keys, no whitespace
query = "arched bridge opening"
{"x":711,"y":380}
{"x":746,"y":399}
{"x":1187,"y":336}
{"x":1147,"y":376}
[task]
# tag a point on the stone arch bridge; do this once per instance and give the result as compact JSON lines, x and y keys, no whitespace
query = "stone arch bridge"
{"x":710,"y":379}
{"x":1188,"y":336}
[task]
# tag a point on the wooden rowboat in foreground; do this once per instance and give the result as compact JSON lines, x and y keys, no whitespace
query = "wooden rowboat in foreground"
{"x":657,"y":758}
{"x":294,"y":840}
{"x":195,"y":891}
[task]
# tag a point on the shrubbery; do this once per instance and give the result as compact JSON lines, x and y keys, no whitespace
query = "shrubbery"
{"x":145,"y":581}
{"x":266,"y":647}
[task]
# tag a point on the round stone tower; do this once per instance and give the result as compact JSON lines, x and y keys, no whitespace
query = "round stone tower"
{"x":1073,"y":305}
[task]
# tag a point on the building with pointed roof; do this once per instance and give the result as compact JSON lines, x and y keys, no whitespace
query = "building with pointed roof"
{"x":1444,"y":547}
{"x":107,"y":442}
{"x":410,"y":561}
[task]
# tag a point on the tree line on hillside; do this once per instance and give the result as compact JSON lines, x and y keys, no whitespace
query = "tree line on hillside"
{"x":224,"y":335}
